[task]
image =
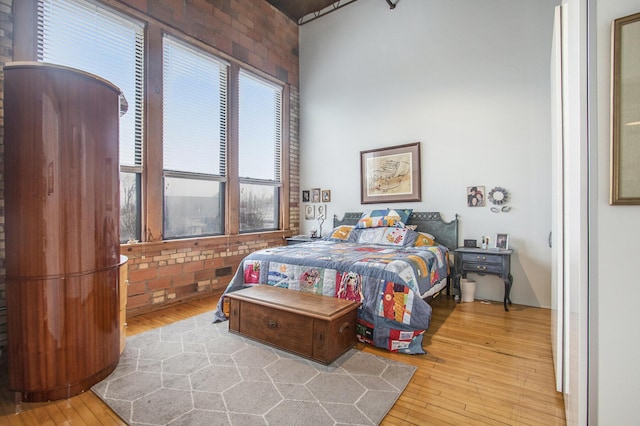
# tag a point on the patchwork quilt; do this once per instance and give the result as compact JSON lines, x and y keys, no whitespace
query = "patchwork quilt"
{"x":386,"y":280}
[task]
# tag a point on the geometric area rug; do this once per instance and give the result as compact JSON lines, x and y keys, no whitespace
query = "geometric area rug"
{"x":194,"y":372}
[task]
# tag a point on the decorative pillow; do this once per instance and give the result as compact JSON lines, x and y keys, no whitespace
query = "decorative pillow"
{"x":384,"y":218}
{"x":424,"y":239}
{"x":341,"y":233}
{"x":388,"y":236}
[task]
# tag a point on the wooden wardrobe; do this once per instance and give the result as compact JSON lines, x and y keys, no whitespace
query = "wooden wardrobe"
{"x":62,"y":206}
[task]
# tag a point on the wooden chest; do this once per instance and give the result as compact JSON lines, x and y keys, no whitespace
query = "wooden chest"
{"x":313,"y":326}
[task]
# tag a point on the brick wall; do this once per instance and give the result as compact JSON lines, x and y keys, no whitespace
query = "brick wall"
{"x":166,"y":272}
{"x":254,"y":33}
{"x":251,"y":31}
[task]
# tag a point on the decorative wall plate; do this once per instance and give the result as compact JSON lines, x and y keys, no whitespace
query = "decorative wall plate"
{"x":498,"y":195}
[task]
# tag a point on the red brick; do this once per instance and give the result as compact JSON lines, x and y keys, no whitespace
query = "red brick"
{"x":204,"y":274}
{"x":136,"y":288}
{"x":142,"y":274}
{"x":159,"y":283}
{"x":186,"y":290}
{"x":180,"y":280}
{"x":216,"y":262}
{"x":138,"y":301}
{"x":193,"y":266}
{"x":173,"y":269}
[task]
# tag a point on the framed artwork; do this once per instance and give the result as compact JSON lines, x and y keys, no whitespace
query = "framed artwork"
{"x":305,"y":196}
{"x":315,"y":195}
{"x":625,"y":112}
{"x":475,"y":196}
{"x":321,"y":211}
{"x":502,"y":241}
{"x":309,"y":212}
{"x":390,"y":174}
{"x":326,"y":195}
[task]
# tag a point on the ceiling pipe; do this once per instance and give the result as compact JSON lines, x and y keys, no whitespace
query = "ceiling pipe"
{"x":391,"y":4}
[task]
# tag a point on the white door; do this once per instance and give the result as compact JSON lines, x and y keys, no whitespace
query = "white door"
{"x":570,"y":237}
{"x":556,"y":238}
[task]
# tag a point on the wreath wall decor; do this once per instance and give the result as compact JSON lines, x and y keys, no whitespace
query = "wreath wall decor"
{"x":498,"y":196}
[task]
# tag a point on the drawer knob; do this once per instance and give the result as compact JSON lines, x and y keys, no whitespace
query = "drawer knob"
{"x":481,"y":268}
{"x":344,"y":327}
{"x":481,"y":257}
{"x":273,"y":324}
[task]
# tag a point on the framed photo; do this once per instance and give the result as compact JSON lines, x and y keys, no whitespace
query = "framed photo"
{"x":502,"y":241}
{"x":471,"y":243}
{"x":625,"y":112}
{"x":475,"y":196}
{"x":321,"y":211}
{"x":309,"y":212}
{"x":326,"y":195}
{"x":315,"y":195}
{"x":305,"y":196}
{"x":390,"y":174}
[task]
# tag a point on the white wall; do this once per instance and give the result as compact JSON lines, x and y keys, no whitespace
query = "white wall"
{"x":470,"y":81}
{"x":615,"y":286}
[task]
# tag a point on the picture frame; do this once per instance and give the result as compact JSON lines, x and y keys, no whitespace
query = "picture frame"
{"x":390,"y":174}
{"x":502,"y":241}
{"x":471,"y":243}
{"x":315,"y":195}
{"x":309,"y":212}
{"x":625,"y":112}
{"x":475,"y":196}
{"x":321,"y":211}
{"x":305,"y":196}
{"x":326,"y":195}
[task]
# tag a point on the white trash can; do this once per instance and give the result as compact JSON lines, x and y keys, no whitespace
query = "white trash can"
{"x":468,"y":289}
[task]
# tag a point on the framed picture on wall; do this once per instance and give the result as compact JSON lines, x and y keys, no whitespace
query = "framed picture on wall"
{"x":309,"y":212}
{"x":390,"y":174}
{"x":326,"y":195}
{"x":625,"y":112}
{"x":321,"y":211}
{"x":475,"y":196}
{"x":305,"y":196}
{"x":315,"y":195}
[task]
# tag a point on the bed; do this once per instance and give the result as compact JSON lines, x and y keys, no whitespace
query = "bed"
{"x":390,"y":260}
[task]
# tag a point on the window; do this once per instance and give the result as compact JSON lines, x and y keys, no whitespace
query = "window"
{"x":103,"y":42}
{"x":197,"y":141}
{"x":260,"y":136}
{"x":194,"y":141}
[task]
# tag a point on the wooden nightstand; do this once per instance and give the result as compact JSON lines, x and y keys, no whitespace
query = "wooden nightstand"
{"x":485,"y":262}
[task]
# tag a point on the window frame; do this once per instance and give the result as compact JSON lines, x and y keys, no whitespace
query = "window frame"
{"x":275,"y":183}
{"x":135,"y":98}
{"x":25,"y":49}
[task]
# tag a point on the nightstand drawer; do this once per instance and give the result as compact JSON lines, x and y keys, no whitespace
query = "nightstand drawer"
{"x":482,"y":268}
{"x":493,"y":259}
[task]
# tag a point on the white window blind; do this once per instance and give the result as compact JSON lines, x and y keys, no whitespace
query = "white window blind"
{"x":92,"y":38}
{"x":260,"y":128}
{"x":194,"y":110}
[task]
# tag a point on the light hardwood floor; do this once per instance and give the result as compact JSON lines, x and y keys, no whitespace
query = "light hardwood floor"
{"x":483,"y":366}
